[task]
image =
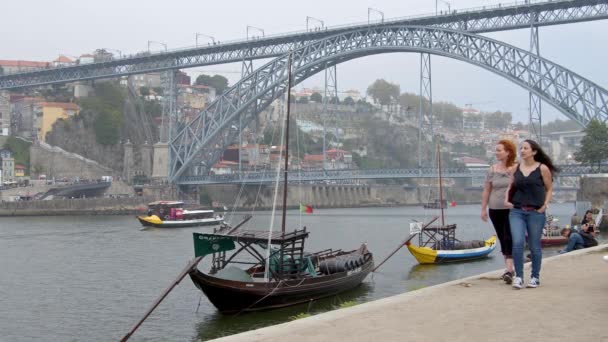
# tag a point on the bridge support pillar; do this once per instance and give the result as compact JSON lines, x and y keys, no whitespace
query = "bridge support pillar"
{"x":127,"y":161}
{"x":535,"y":78}
{"x":425,"y":113}
{"x":160,"y":167}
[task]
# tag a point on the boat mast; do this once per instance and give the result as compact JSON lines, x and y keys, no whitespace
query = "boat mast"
{"x":440,"y":185}
{"x":289,"y":84}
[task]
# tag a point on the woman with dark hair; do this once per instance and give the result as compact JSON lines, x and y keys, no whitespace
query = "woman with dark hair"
{"x":532,"y":190}
{"x":497,"y":182}
{"x":588,"y":223}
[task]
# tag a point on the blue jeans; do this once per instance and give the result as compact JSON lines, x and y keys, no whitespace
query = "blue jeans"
{"x":575,"y":241}
{"x":532,"y":223}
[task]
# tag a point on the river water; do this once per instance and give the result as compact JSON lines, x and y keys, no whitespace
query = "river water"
{"x":90,"y":278}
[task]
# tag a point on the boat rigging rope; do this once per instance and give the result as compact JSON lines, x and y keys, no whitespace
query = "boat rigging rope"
{"x":199,"y":302}
{"x":269,"y":294}
{"x":261,"y":299}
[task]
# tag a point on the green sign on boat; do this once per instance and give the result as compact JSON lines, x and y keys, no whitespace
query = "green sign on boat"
{"x":205,"y":244}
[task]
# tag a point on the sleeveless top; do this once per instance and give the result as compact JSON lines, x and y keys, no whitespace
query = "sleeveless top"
{"x":529,"y":191}
{"x":500,"y":182}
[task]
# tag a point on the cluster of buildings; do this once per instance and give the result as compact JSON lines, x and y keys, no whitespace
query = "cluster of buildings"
{"x":33,"y":117}
{"x":250,"y":157}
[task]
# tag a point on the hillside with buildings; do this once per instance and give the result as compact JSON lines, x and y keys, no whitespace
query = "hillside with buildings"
{"x":115,"y":123}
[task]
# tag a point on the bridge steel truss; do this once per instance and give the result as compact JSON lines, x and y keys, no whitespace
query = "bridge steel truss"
{"x":490,"y":19}
{"x":211,"y":131}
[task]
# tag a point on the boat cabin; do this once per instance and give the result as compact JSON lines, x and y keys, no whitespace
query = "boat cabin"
{"x":174,"y":210}
{"x":287,"y":257}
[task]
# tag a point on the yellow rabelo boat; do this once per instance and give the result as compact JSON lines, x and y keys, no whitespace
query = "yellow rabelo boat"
{"x":171,"y":214}
{"x":438,"y":244}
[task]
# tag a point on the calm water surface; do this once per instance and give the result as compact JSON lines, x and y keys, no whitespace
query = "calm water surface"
{"x":91,"y":278}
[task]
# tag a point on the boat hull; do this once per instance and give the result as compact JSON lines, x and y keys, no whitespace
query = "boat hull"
{"x":426,"y":255}
{"x":146,"y":222}
{"x":230,"y":296}
{"x":548,"y":241}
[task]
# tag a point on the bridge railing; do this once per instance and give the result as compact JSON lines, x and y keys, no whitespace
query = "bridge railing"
{"x":328,"y":29}
{"x":317,"y":176}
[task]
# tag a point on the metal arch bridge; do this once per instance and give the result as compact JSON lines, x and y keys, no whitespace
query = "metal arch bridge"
{"x":317,"y":176}
{"x":476,"y":20}
{"x":205,"y":137}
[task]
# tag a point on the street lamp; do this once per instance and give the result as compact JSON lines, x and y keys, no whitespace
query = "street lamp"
{"x":445,"y":2}
{"x":314,"y":19}
{"x":372,"y":10}
{"x":254,"y":28}
{"x":204,"y":35}
{"x":160,"y":43}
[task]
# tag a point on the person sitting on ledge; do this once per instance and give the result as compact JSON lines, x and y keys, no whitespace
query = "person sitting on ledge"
{"x":575,"y":240}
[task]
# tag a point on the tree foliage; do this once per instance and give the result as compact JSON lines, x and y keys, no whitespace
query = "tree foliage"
{"x":498,"y":119}
{"x":594,"y":145}
{"x":1,"y":70}
{"x":560,"y":126}
{"x":20,"y":150}
{"x":106,"y":106}
{"x":349,"y":101}
{"x":144,"y":91}
{"x":383,"y":92}
{"x":316,"y":97}
{"x":219,"y":82}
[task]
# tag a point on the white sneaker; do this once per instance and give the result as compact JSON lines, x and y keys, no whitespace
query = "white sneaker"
{"x":606,"y":258}
{"x":517,"y":283}
{"x":533,"y":283}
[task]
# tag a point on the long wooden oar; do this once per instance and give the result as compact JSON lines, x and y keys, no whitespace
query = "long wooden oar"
{"x":403,"y":244}
{"x":179,"y":278}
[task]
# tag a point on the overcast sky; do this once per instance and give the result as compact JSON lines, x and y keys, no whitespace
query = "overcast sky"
{"x":42,"y":30}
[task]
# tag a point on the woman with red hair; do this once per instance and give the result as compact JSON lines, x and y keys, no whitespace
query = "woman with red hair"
{"x":496,"y":184}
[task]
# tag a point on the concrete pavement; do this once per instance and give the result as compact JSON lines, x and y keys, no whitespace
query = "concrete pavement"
{"x":570,"y":305}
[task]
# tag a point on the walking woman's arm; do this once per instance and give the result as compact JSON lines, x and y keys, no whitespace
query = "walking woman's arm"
{"x":485,"y":195}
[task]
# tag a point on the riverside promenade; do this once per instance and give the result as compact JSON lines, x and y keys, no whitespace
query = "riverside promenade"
{"x":570,"y":305}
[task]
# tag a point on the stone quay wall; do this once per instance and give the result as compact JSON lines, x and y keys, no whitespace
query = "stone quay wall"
{"x":86,"y":206}
{"x":333,"y":196}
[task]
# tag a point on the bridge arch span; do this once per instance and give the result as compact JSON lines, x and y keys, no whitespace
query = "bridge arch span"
{"x":205,"y":137}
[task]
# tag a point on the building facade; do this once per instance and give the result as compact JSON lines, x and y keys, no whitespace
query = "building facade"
{"x":5,"y":113}
{"x":8,"y":166}
{"x":47,"y":113}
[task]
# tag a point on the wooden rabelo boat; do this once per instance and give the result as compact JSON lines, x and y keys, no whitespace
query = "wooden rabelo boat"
{"x":282,"y":276}
{"x":260,"y":269}
{"x":552,"y":234}
{"x":171,"y":214}
{"x":438,"y":244}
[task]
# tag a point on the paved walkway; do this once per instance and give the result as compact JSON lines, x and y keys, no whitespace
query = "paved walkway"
{"x":570,"y":305}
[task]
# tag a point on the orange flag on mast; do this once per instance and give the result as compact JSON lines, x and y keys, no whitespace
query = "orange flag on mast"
{"x":305,"y":208}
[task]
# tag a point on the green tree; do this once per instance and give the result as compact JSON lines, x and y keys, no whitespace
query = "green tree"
{"x":144,"y":91}
{"x":560,"y":126}
{"x":1,"y":70}
{"x":349,"y":101}
{"x":383,"y":92}
{"x":594,"y":145}
{"x":106,"y":109}
{"x":219,"y":82}
{"x":21,"y":151}
{"x":316,"y":97}
{"x":303,"y":99}
{"x":107,"y":127}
